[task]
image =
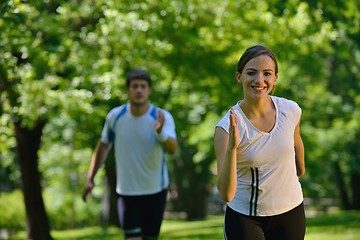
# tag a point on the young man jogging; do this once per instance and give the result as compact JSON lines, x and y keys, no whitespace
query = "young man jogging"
{"x":141,"y":134}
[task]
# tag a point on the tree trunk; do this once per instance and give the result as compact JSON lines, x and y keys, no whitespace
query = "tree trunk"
{"x":110,"y":169}
{"x":190,"y":184}
{"x":355,"y":183}
{"x":192,"y":195}
{"x":195,"y":200}
{"x":28,"y":144}
{"x":339,"y":178}
{"x":354,"y":151}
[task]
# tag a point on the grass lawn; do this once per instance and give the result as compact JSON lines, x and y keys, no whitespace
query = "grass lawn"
{"x":334,"y":226}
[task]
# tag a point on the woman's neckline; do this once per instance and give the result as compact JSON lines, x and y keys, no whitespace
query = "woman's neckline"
{"x":252,"y":125}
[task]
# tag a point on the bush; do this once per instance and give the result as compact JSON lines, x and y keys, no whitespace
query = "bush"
{"x":64,"y":210}
{"x":67,"y":209}
{"x":12,"y":210}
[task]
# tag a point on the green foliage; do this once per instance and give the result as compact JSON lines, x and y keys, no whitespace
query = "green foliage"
{"x":67,"y":209}
{"x":12,"y":210}
{"x":64,"y":170}
{"x":7,"y":153}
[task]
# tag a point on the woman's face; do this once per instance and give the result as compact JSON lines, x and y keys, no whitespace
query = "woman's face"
{"x":258,"y":77}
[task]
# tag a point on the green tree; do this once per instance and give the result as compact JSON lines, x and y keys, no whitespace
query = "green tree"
{"x":37,"y":62}
{"x":342,"y":82}
{"x":15,"y":69}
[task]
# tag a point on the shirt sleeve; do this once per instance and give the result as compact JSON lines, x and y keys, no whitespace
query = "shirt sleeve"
{"x":108,"y":134}
{"x":296,"y":110}
{"x":169,"y":124}
{"x":224,"y":123}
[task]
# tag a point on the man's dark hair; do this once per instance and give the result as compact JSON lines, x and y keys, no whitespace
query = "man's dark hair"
{"x":138,"y":74}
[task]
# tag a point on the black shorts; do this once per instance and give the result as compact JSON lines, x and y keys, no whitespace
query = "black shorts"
{"x":287,"y":226}
{"x":141,"y":216}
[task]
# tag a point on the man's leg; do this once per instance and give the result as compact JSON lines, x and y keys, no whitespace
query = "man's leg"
{"x":153,"y":207}
{"x":130,"y":217}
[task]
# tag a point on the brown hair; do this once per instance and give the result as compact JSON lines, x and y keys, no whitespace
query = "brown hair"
{"x":253,"y":52}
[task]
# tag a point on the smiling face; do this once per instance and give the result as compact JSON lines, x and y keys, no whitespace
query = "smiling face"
{"x":258,"y":77}
{"x":138,"y":92}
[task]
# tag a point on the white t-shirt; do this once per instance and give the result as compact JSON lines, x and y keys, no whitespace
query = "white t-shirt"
{"x":140,"y":159}
{"x":267,"y":183}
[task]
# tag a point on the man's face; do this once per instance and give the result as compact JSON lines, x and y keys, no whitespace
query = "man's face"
{"x":138,"y":92}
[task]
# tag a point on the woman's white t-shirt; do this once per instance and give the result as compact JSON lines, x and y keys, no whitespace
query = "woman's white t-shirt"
{"x":267,"y":183}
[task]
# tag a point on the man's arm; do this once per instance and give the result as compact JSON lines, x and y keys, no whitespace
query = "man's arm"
{"x":100,"y":154}
{"x":168,"y":142}
{"x":170,"y":145}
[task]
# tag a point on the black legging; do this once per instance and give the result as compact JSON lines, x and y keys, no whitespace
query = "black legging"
{"x":287,"y":226}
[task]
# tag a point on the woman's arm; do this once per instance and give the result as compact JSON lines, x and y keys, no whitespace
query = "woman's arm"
{"x":225,"y":150}
{"x":299,"y":152}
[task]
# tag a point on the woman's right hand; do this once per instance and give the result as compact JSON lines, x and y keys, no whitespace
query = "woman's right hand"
{"x":234,"y":139}
{"x":225,"y":144}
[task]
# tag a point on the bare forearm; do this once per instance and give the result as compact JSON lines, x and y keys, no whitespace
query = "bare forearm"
{"x":299,"y":152}
{"x":98,"y":158}
{"x":226,"y":157}
{"x":300,"y":159}
{"x":170,"y":145}
{"x":227,"y":176}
